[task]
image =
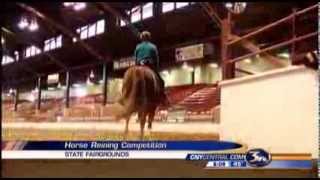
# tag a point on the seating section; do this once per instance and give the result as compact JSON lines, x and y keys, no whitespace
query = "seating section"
{"x":198,"y":101}
{"x":202,"y":100}
{"x":176,"y":94}
{"x":7,"y":110}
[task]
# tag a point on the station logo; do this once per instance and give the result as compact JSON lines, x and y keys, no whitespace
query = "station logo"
{"x":258,"y":157}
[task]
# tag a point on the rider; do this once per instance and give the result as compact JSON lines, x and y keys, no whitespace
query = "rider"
{"x":146,"y":53}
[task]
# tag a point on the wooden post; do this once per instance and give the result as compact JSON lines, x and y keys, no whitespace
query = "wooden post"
{"x":293,"y":46}
{"x":228,"y":70}
{"x":16,"y":99}
{"x":39,"y":94}
{"x":67,"y":93}
{"x":193,"y":75}
{"x":105,"y":84}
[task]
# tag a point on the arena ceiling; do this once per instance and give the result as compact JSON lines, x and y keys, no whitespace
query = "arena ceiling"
{"x":190,"y":24}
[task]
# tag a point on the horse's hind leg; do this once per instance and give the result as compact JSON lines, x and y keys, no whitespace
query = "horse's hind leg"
{"x":150,"y":119}
{"x":142,"y":118}
{"x":126,"y":130}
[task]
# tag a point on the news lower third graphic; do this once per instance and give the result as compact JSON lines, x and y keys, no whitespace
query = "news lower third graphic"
{"x":217,"y":154}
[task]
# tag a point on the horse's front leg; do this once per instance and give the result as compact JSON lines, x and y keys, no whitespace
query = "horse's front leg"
{"x":142,"y":118}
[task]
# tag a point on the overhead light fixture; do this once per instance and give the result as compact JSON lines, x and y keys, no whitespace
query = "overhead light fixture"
{"x":76,"y":85}
{"x":32,"y":98}
{"x":165,"y":72}
{"x":190,"y":69}
{"x":185,"y":66}
{"x":34,"y":25}
{"x":248,"y":61}
{"x":23,"y":23}
{"x":68,"y":4}
{"x":35,"y":90}
{"x":284,"y":55}
{"x":80,"y":92}
{"x":236,"y":7}
{"x":79,"y":6}
{"x":213,"y":65}
{"x":228,"y":5}
{"x":91,"y":74}
{"x":89,"y":82}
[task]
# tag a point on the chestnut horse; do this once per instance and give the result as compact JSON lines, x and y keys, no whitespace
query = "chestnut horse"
{"x":141,"y":93}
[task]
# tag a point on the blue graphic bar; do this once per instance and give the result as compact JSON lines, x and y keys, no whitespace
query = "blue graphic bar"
{"x":132,"y":145}
{"x":296,"y":164}
{"x":275,"y":164}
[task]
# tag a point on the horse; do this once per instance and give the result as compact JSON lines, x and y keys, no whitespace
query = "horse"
{"x":142,"y":94}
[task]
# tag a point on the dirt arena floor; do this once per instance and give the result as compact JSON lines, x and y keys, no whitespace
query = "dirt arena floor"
{"x":106,"y":131}
{"x":135,"y":169}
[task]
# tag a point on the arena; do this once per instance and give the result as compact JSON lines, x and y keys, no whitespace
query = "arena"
{"x":242,"y":72}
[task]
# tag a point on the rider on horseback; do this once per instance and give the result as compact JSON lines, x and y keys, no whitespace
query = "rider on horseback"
{"x":146,"y":53}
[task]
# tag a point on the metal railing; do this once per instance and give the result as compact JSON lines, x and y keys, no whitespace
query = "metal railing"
{"x":268,"y":27}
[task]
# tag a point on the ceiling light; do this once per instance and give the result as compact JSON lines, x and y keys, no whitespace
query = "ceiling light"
{"x":34,"y":26}
{"x":23,"y":23}
{"x":79,"y":6}
{"x":31,"y":97}
{"x":228,"y":5}
{"x":76,"y":85}
{"x":91,"y":75}
{"x":165,"y":72}
{"x":74,"y":39}
{"x":80,"y":92}
{"x":185,"y":66}
{"x":213,"y":65}
{"x":248,"y":61}
{"x":67,"y":4}
{"x":284,"y":55}
{"x":89,"y":82}
{"x":35,"y":90}
{"x":236,"y":7}
{"x":190,"y":69}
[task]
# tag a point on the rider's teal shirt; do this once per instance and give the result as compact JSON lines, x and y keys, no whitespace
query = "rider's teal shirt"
{"x":147,"y":50}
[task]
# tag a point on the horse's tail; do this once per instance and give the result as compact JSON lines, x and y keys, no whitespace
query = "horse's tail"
{"x":140,"y":87}
{"x":133,"y":93}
